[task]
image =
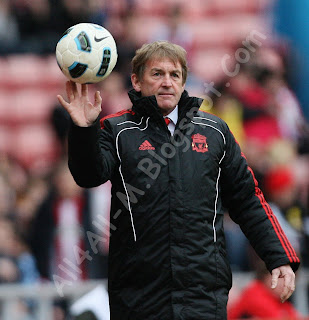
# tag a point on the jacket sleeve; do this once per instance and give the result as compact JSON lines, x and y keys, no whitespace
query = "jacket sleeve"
{"x":92,"y":154}
{"x":247,"y":207}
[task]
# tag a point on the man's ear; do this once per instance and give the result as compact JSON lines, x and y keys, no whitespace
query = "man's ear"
{"x":183,"y":87}
{"x":135,"y":82}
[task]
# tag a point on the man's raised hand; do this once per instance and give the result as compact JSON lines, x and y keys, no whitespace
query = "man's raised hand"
{"x":82,"y":111}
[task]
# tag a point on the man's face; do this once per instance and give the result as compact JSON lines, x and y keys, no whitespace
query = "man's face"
{"x":162,"y":78}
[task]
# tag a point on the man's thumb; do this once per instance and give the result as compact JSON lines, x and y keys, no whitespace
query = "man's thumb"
{"x":274,"y":278}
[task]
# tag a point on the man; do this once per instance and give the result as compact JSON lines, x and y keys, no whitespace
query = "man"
{"x":171,"y":182}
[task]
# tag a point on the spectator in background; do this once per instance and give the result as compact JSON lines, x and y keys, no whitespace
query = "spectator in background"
{"x":33,"y":18}
{"x":9,"y":272}
{"x":281,"y":190}
{"x":42,"y":22}
{"x":237,"y":246}
{"x":59,"y":229}
{"x":259,"y":120}
{"x":9,"y":31}
{"x":97,"y":199}
{"x":175,"y":30}
{"x":286,"y":107}
{"x":123,"y":33}
{"x":56,"y":228}
{"x":17,"y":264}
{"x":98,"y":11}
{"x":25,"y":260}
{"x":7,"y":197}
{"x":14,"y":248}
{"x":70,"y":13}
{"x":228,"y":107}
{"x":59,"y":120}
{"x":27,"y":202}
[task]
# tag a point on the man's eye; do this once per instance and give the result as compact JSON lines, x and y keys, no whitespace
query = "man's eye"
{"x":175,"y":75}
{"x":156,"y":74}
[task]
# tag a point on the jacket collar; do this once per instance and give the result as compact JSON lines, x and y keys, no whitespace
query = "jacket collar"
{"x":147,"y":106}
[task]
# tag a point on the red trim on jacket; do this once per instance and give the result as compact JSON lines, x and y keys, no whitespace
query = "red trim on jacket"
{"x":118,"y":114}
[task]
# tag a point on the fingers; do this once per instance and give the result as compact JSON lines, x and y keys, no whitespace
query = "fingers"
{"x":62,"y":101}
{"x":84,"y":90}
{"x":288,"y":276}
{"x":97,"y":96}
{"x":69,"y":90}
{"x":79,"y":101}
{"x":97,"y":100}
{"x":74,"y":89}
{"x":289,"y":286}
{"x":274,"y":278}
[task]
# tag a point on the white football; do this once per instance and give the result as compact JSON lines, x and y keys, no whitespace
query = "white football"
{"x":86,"y":53}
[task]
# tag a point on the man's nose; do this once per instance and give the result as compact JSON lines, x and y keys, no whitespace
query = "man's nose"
{"x":167,"y":81}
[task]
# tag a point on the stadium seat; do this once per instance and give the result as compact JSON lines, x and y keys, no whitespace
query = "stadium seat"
{"x":30,"y":106}
{"x":207,"y":64}
{"x":197,"y":10}
{"x":149,"y":7}
{"x":35,"y":146}
{"x":5,"y":106}
{"x":6,"y":135}
{"x":52,"y":78}
{"x":4,"y":72}
{"x":24,"y":70}
{"x":227,"y":30}
{"x":28,"y":71}
{"x":238,"y":6}
{"x":241,"y":25}
{"x":209,"y":33}
{"x":142,"y":27}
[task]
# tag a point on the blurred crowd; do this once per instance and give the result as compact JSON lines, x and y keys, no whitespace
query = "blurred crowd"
{"x":44,"y":214}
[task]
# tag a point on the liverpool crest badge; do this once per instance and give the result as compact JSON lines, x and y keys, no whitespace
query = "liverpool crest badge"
{"x":199,"y":143}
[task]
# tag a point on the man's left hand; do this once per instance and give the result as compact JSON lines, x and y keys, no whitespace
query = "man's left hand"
{"x":288,"y":276}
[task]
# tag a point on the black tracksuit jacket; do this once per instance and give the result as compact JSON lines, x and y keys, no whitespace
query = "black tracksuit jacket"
{"x":167,"y":255}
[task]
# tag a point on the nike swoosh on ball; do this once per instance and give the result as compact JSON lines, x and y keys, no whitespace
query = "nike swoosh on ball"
{"x":99,"y":39}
